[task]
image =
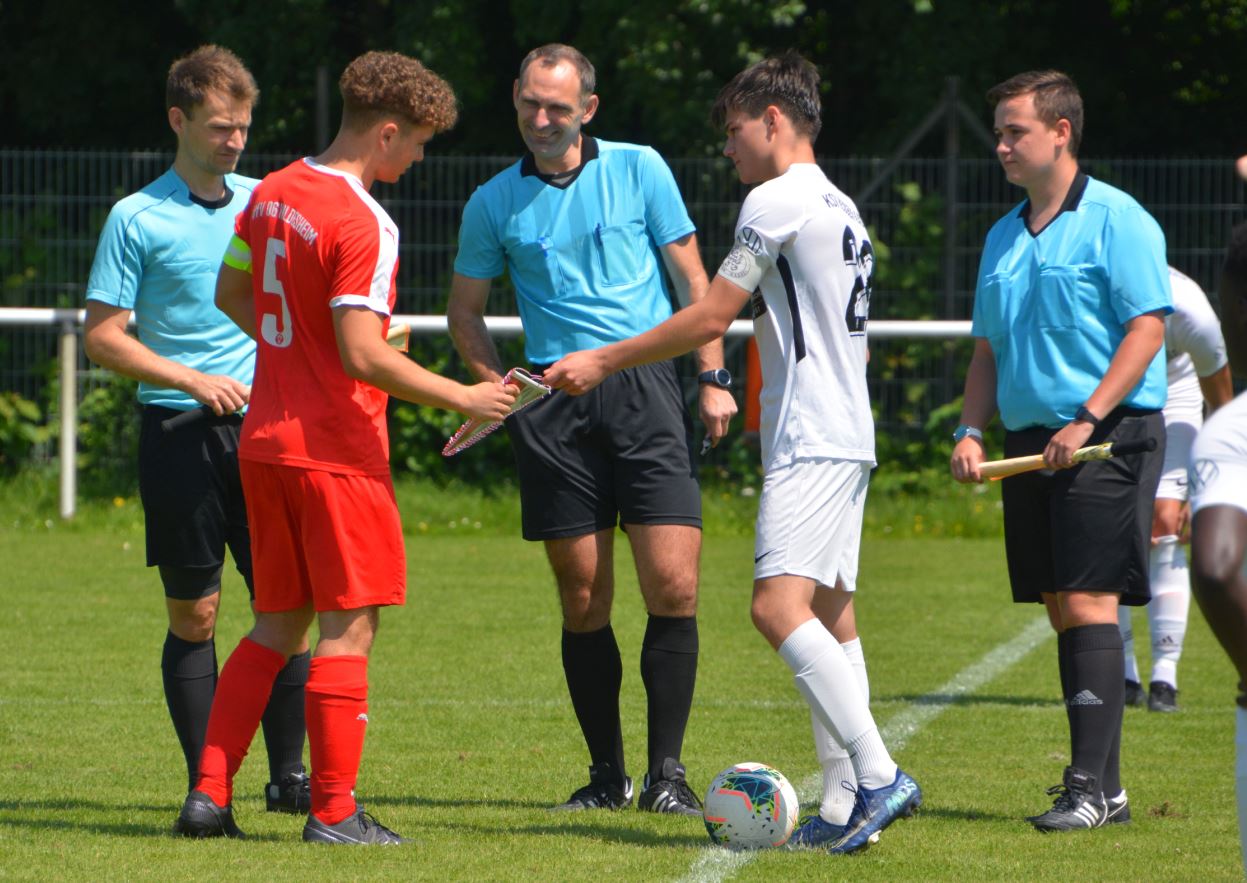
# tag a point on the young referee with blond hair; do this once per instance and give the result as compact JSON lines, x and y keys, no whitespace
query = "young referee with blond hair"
{"x":157,"y":259}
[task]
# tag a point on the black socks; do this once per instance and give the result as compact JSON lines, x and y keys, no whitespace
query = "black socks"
{"x":669,"y":672}
{"x":283,"y":724}
{"x":1093,"y":682}
{"x":594,"y":674}
{"x":189,"y":674}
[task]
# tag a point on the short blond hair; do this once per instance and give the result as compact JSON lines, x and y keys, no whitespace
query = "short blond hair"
{"x":389,"y":84}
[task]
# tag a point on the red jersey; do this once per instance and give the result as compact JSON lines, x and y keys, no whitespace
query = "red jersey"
{"x":319,"y":242}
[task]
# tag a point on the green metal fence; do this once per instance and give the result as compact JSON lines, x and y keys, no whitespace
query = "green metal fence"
{"x":53,"y":203}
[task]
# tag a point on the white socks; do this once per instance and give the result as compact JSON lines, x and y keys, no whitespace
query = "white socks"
{"x":1170,"y":606}
{"x":1126,"y":628}
{"x":838,"y":775}
{"x":827,"y":679}
{"x":1167,"y":613}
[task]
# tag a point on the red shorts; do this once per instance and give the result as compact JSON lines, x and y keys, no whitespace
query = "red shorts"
{"x":332,"y":539}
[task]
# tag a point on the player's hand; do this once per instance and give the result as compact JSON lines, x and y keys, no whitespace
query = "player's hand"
{"x":223,"y":394}
{"x":576,"y":373}
{"x":967,"y":455}
{"x":717,"y":407}
{"x":489,"y":401}
{"x":1059,"y":453}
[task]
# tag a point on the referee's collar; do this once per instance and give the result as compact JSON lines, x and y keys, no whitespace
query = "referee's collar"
{"x":1072,"y":198}
{"x":562,"y":180}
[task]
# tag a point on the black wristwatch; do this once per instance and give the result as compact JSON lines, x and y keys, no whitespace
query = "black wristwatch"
{"x":720,"y":377}
{"x":1083,"y":415}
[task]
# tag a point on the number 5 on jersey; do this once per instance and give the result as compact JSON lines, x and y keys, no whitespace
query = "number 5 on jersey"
{"x":279,"y":335}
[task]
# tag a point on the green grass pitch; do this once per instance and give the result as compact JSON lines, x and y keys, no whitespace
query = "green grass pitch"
{"x":471,"y":735}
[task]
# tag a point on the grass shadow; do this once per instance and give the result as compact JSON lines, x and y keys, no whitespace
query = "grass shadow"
{"x":621,"y":835}
{"x":975,"y":699}
{"x":454,"y":803}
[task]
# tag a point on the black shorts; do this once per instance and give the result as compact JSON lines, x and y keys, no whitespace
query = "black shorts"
{"x":622,"y":453}
{"x":192,"y":493}
{"x":1087,"y":528}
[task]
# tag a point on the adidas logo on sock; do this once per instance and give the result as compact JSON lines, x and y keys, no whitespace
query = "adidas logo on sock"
{"x":1085,"y":697}
{"x":362,"y":717}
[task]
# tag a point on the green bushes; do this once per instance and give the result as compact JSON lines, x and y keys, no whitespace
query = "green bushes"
{"x":21,"y":429}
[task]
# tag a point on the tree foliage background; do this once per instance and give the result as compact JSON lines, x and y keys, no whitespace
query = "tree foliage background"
{"x":1159,"y":78}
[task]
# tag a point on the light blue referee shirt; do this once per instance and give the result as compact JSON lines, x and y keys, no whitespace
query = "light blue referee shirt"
{"x":1054,"y":305}
{"x":158,"y":255}
{"x":583,"y":257}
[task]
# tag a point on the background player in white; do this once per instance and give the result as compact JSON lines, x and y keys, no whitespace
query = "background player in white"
{"x":1218,"y":479}
{"x":1197,"y":373}
{"x":817,"y":430}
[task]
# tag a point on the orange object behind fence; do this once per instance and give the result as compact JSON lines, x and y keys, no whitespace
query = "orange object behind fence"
{"x":753,"y":387}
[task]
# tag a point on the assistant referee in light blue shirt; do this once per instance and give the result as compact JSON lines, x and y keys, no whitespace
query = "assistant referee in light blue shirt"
{"x":1069,"y":333}
{"x":157,"y":259}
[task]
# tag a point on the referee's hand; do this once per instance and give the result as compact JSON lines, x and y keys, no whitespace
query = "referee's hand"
{"x":221,"y":393}
{"x":967,"y":455}
{"x":1059,"y":453}
{"x":717,"y":407}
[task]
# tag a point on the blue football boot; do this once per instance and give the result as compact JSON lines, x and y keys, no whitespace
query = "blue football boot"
{"x":877,"y":808}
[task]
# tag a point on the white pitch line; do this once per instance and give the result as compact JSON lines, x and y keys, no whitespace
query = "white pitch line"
{"x":715,"y":864}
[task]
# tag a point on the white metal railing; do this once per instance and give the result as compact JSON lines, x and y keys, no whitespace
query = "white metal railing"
{"x":69,"y":321}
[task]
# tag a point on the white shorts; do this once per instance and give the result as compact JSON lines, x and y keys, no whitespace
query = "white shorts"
{"x":1218,"y":484}
{"x":810,"y":521}
{"x":1218,"y":470}
{"x":1179,"y":437}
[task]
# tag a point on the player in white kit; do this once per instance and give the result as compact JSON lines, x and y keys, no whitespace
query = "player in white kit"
{"x":1197,"y":373}
{"x":1218,"y":479}
{"x":803,"y":261}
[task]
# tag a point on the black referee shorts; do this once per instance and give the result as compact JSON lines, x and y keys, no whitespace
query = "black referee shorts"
{"x":1087,"y":528}
{"x":623,"y":453}
{"x":192,"y":494}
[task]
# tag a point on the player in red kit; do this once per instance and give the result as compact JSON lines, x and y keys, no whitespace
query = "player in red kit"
{"x":310,"y":274}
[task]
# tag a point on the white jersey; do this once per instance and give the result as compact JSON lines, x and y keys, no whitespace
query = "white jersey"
{"x":1194,"y":349}
{"x":1193,"y":345}
{"x":1219,"y":459}
{"x":802,"y":250}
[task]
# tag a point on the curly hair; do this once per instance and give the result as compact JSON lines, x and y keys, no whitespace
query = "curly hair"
{"x":209,"y":68}
{"x":1056,"y":98}
{"x":788,"y":81}
{"x":378,"y":85}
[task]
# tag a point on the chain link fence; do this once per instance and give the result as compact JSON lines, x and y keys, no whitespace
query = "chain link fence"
{"x":53,"y":204}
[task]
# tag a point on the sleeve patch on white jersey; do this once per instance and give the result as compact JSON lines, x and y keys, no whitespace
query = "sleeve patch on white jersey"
{"x":741,"y":266}
{"x":749,"y":238}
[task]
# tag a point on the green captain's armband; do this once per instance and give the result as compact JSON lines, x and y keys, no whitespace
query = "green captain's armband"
{"x":238,"y":254}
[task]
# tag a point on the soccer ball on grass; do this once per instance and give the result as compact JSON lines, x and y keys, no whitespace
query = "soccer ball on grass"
{"x":750,"y":806}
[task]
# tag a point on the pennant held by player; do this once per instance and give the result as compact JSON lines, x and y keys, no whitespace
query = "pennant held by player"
{"x":531,"y":390}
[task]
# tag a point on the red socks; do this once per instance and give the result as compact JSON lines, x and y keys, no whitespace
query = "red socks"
{"x":337,"y":717}
{"x":242,"y":693}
